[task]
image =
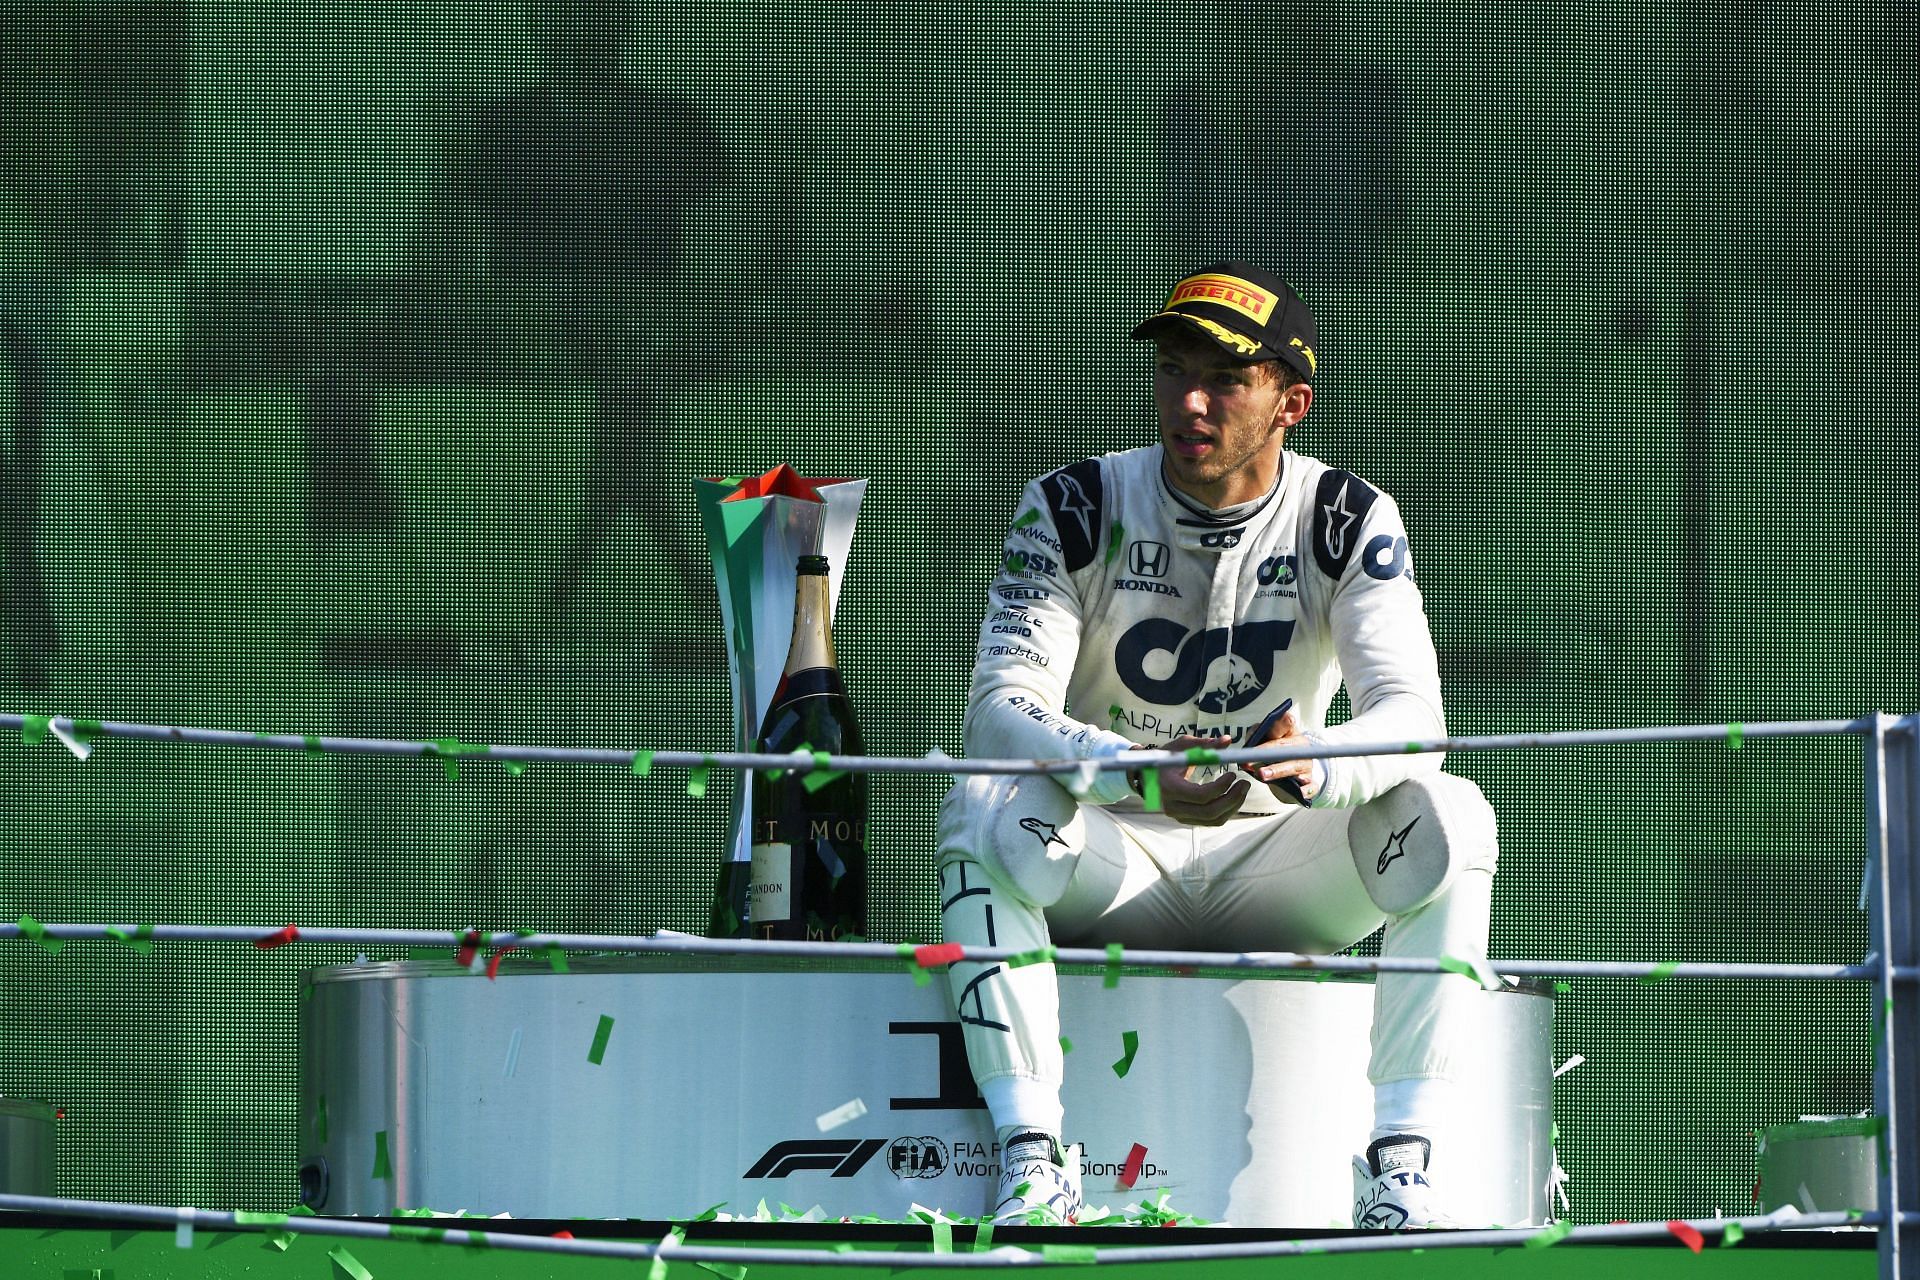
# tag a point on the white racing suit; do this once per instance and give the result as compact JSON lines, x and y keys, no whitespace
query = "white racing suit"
{"x":1126,"y":613}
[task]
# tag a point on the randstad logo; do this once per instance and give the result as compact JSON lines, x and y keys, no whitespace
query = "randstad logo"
{"x":1228,"y":291}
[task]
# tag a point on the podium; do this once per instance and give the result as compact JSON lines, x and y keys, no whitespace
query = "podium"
{"x":655,"y":1087}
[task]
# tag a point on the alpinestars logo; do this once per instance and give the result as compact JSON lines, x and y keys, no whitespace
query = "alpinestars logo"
{"x":1395,"y":848}
{"x":1046,"y":832}
{"x":1338,"y":521}
{"x":1074,"y":502}
{"x":843,"y":1156}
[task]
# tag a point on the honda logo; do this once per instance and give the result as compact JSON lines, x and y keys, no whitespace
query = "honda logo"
{"x":1148,"y":559}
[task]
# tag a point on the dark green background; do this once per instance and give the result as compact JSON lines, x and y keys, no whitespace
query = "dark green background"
{"x":304,"y":424}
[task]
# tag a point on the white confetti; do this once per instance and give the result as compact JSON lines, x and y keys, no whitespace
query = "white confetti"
{"x":1083,"y":778}
{"x":845,"y":1113}
{"x":183,"y":1229}
{"x":80,"y":749}
{"x":513,"y":1054}
{"x":1569,"y":1065}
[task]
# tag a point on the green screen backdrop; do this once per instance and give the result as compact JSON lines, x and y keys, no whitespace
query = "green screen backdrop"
{"x":358,"y":360}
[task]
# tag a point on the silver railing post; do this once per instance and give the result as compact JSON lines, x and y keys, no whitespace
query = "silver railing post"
{"x":1892,"y":762}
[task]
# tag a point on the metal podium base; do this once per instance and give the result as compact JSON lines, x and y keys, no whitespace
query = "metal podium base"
{"x":729,"y":1082}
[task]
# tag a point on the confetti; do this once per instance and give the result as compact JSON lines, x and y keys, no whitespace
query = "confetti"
{"x":493,"y":965}
{"x":658,"y":1269}
{"x":1130,"y":1172}
{"x":1114,"y":952}
{"x":1686,"y":1235}
{"x":33,"y":729}
{"x":642,"y":763}
{"x":1474,"y":967}
{"x":1116,"y":538}
{"x":38,"y":932}
{"x":943,"y":953}
{"x":1130,"y":1042}
{"x":600,"y":1037}
{"x":513,"y":1054}
{"x":697,"y":778}
{"x":1150,"y":789}
{"x":1066,"y":1045}
{"x":470,"y":944}
{"x":279,"y":939}
{"x":1661,"y":972}
{"x":1732,"y":1235}
{"x":1039,"y":955}
{"x":1736,"y":734}
{"x":1551,"y":1236}
{"x":72,"y":743}
{"x":983,"y":1236}
{"x":349,"y":1264}
{"x":731,"y":1270}
{"x":943,"y":1237}
{"x":382,"y":1165}
{"x":183,"y":1228}
{"x":1569,"y":1065}
{"x":1202,"y":755}
{"x":845,"y":1113}
{"x":141,"y":939}
{"x":1070,"y":1254}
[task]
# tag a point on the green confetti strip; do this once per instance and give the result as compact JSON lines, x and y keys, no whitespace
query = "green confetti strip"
{"x":34,"y":729}
{"x":451,"y":749}
{"x":1039,"y":955}
{"x":731,"y":1270}
{"x":1150,"y":789}
{"x":1114,"y":952}
{"x":1453,"y":964}
{"x":1736,"y":734}
{"x":420,"y":1235}
{"x":1413,"y":748}
{"x":1027,"y":519}
{"x":382,"y":1165}
{"x":88,"y":730}
{"x":943,"y":1237}
{"x":313,"y":745}
{"x":819,"y":776}
{"x":983,"y":1236}
{"x":1551,"y":1236}
{"x":1066,"y":1045}
{"x":642,"y":763}
{"x":349,"y":1264}
{"x":1561,"y":988}
{"x":909,"y":952}
{"x":1661,"y":972}
{"x":251,"y":1218}
{"x":697,"y":778}
{"x":1732,"y":1235}
{"x":657,"y":1270}
{"x":141,"y":939}
{"x":1202,"y":755}
{"x":38,"y":933}
{"x":1116,"y":538}
{"x":1077,"y":1255}
{"x":514,"y":768}
{"x":1130,"y":1043}
{"x":601,"y":1035}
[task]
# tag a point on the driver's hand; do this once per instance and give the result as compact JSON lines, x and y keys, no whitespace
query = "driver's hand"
{"x":1294,"y":781}
{"x":1198,"y":804}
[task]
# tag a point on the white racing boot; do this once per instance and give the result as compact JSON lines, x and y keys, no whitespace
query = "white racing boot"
{"x":1039,"y":1182}
{"x":1392,"y":1190}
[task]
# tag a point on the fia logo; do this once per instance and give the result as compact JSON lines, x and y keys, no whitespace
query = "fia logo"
{"x":917,"y":1157}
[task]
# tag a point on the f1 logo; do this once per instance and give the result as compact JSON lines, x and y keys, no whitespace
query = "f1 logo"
{"x":844,"y":1156}
{"x":1148,"y":559}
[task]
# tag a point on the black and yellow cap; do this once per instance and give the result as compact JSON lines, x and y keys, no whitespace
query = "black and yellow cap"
{"x":1251,"y":314}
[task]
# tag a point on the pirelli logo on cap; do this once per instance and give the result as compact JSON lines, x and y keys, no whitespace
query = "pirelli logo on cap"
{"x":1227,"y":291}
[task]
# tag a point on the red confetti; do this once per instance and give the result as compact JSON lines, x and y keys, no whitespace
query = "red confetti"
{"x":493,"y":965}
{"x":1686,"y":1235}
{"x":1130,"y":1174}
{"x":563,"y":1235}
{"x":945,"y":953}
{"x":469,"y":945}
{"x":280,"y":939}
{"x":59,"y":1113}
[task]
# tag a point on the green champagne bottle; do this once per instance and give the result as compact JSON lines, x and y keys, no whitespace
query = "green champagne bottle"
{"x":809,"y":867}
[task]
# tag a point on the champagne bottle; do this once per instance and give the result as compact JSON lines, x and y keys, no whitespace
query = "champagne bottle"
{"x":809,"y":867}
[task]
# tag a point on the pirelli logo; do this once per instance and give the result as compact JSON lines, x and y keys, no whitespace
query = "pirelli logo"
{"x":1228,"y":291}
